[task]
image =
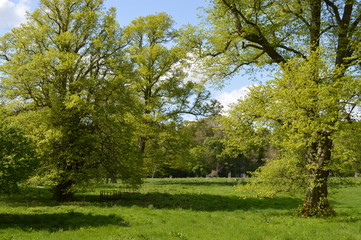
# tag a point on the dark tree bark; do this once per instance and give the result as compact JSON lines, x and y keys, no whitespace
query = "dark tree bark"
{"x":62,"y":191}
{"x":318,"y":156}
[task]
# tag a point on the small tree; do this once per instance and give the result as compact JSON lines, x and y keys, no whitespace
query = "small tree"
{"x":160,"y":82}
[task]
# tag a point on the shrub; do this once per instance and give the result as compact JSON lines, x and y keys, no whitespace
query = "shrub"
{"x":18,"y":159}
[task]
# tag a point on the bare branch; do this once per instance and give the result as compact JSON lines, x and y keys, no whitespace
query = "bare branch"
{"x":291,"y":50}
{"x":226,"y":47}
{"x":299,"y":16}
{"x":4,"y":56}
{"x":355,"y":23}
{"x":238,"y":66}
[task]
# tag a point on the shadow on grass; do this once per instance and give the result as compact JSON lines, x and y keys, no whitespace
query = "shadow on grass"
{"x":29,"y":197}
{"x":202,"y":182}
{"x":54,"y":222}
{"x":157,"y":200}
{"x":204,"y":202}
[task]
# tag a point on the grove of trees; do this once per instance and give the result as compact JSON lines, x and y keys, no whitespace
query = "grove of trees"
{"x":83,"y":99}
{"x":89,"y":94}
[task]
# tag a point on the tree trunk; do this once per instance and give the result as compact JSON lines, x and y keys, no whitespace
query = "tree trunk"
{"x":113,"y":180}
{"x":154,"y":171}
{"x":318,"y":157}
{"x":62,"y":191}
{"x":316,"y":202}
{"x":141,"y":144}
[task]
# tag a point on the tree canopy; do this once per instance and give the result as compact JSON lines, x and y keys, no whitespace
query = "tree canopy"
{"x":160,"y":82}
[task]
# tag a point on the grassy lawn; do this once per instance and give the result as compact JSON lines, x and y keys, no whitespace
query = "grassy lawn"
{"x":176,"y":209}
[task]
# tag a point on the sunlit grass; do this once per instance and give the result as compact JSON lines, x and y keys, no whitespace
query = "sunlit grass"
{"x":176,"y":209}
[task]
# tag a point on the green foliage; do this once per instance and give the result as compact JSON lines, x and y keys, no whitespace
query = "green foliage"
{"x":18,"y":159}
{"x":209,"y":154}
{"x":166,"y":153}
{"x":159,"y":72}
{"x":283,"y":109}
{"x":347,"y":150}
{"x":207,"y":147}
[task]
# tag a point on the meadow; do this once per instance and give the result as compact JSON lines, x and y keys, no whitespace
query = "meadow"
{"x":176,"y":209}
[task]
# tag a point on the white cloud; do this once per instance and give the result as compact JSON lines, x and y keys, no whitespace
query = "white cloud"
{"x":12,"y":13}
{"x":194,"y":68}
{"x":229,"y":98}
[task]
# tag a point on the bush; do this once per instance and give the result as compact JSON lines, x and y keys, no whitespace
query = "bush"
{"x":18,"y":159}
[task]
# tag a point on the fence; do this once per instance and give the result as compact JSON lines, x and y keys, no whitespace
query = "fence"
{"x":108,"y":195}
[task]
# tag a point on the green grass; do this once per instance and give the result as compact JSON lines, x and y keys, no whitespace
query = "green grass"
{"x":176,"y":209}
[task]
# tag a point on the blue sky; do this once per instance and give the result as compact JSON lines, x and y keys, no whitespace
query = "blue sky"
{"x":182,"y":11}
{"x":12,"y":13}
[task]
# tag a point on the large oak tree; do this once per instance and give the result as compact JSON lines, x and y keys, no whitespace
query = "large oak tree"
{"x":316,"y":46}
{"x":64,"y":77}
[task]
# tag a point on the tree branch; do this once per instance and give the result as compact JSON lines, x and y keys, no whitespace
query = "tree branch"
{"x":355,"y":23}
{"x":335,"y":10}
{"x":258,"y":38}
{"x":291,"y":50}
{"x":220,"y":52}
{"x":4,"y":56}
{"x":297,"y":15}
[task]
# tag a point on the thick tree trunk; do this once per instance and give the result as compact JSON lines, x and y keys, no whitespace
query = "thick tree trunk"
{"x":62,"y":191}
{"x":318,"y":157}
{"x":316,"y":201}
